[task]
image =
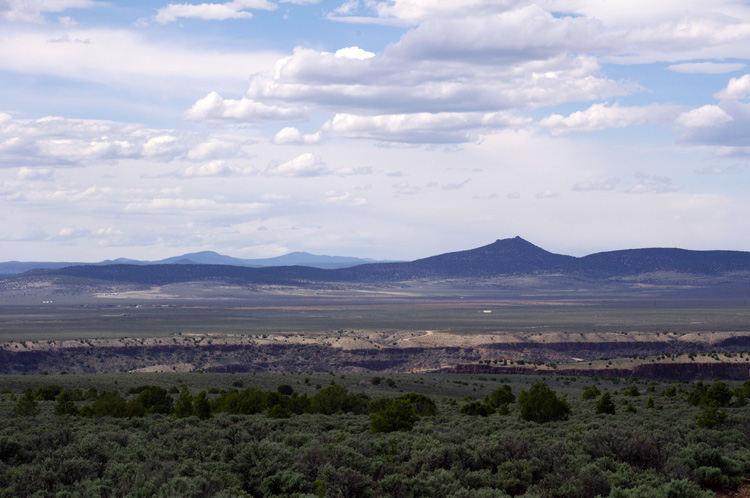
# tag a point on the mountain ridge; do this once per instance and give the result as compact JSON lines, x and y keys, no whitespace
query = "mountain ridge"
{"x":295,"y":258}
{"x":514,"y":257}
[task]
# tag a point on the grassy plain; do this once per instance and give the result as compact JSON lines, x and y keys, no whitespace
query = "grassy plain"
{"x":458,"y":311}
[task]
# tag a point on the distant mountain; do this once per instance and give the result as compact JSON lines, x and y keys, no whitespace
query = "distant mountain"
{"x":642,"y":261}
{"x":200,"y":258}
{"x":513,"y":256}
{"x":16,"y":267}
{"x":507,"y":257}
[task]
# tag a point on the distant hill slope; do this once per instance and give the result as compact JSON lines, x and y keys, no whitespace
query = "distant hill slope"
{"x":513,"y":256}
{"x":641,"y":261}
{"x":201,"y":258}
{"x":507,"y":257}
{"x":176,"y":273}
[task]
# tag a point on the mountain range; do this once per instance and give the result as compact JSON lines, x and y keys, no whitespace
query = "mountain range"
{"x":200,"y":258}
{"x":513,"y":257}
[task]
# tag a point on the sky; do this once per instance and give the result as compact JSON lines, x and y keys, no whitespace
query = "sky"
{"x":393,"y":129}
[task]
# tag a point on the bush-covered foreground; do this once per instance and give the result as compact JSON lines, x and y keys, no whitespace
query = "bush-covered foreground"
{"x":523,"y":438}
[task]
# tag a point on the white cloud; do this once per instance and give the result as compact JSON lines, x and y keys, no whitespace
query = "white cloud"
{"x":217,"y":168}
{"x":524,"y":33}
{"x":309,"y":164}
{"x":303,"y":165}
{"x":291,"y":135}
{"x":723,"y":125}
{"x":606,"y":186}
{"x":708,"y":116}
{"x":347,"y":8}
{"x":706,"y":67}
{"x":447,"y":127}
{"x":56,"y":140}
{"x":718,"y":170}
{"x":333,"y":197}
{"x":737,"y":88}
{"x":652,"y":184}
{"x":354,"y":53}
{"x":213,"y":148}
{"x":621,"y":31}
{"x":127,"y":59}
{"x":213,"y":107}
{"x":399,"y":84}
{"x":33,"y":174}
{"x":418,"y":11}
{"x":456,"y":186}
{"x":547,"y":194}
{"x":178,"y":205}
{"x":33,"y":10}
{"x":601,"y":116}
{"x":236,"y":9}
{"x":67,"y":21}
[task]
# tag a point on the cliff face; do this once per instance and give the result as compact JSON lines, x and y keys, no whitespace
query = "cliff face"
{"x":664,"y":371}
{"x":245,"y":354}
{"x":236,"y":357}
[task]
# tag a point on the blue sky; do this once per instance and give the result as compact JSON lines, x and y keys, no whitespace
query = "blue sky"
{"x":389,"y":129}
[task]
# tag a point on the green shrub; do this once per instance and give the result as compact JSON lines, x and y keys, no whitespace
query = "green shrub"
{"x":591,"y":392}
{"x":541,"y":404}
{"x":605,"y":404}
{"x":397,"y":415}
{"x":27,"y":406}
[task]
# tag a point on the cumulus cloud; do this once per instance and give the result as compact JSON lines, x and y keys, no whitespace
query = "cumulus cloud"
{"x":33,"y":174}
{"x":708,"y":116}
{"x":213,"y":148}
{"x":601,"y":116}
{"x":723,"y":125}
{"x":396,"y":84}
{"x":61,"y":141}
{"x":547,"y":194}
{"x":303,"y":165}
{"x":309,"y":164}
{"x":217,"y":168}
{"x":333,"y":197}
{"x":213,"y":107}
{"x":737,"y":88}
{"x":619,"y":30}
{"x":447,"y":127}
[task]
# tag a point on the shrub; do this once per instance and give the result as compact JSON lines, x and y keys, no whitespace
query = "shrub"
{"x":501,"y":396}
{"x":397,"y":415}
{"x":592,"y":392}
{"x":184,"y":406}
{"x":27,"y":406}
{"x":711,"y":416}
{"x":605,"y":404}
{"x":541,"y":404}
{"x":475,"y":408}
{"x":65,"y":405}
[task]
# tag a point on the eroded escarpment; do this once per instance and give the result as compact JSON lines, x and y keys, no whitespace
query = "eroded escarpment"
{"x":392,"y":352}
{"x":682,"y":370}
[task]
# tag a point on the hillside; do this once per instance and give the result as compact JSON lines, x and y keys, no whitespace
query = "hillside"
{"x":505,"y":258}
